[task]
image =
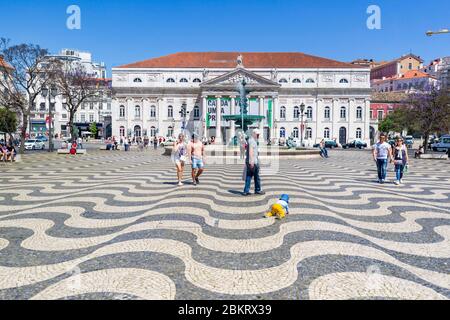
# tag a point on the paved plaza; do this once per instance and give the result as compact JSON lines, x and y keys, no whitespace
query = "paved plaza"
{"x":113,"y":225}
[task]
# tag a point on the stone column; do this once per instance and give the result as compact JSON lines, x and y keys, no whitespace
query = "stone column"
{"x":319,"y":115}
{"x":160,"y":117}
{"x":351,"y":118}
{"x":336,"y":114}
{"x":261,"y":113}
{"x":205,"y":116}
{"x":128,"y":114}
{"x":366,"y":117}
{"x":233,"y":111}
{"x":218,"y":120}
{"x":274,"y":117}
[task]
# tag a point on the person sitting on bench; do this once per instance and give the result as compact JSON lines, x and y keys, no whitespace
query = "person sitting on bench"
{"x":419,"y":152}
{"x":10,"y":153}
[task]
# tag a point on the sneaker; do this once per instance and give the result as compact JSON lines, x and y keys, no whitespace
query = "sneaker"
{"x":180,"y":184}
{"x":401,"y":181}
{"x":396,"y":182}
{"x":197,"y":180}
{"x":260,"y":193}
{"x":245,"y":194}
{"x":194,"y":183}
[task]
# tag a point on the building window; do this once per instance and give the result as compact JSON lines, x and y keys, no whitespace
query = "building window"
{"x":170,"y":112}
{"x":327,"y":113}
{"x":137,"y":80}
{"x":152,"y":132}
{"x":137,"y":131}
{"x":91,"y":118}
{"x":42,"y":106}
{"x":152,"y":112}
{"x":197,"y":80}
{"x":283,"y":81}
{"x":184,"y":80}
{"x":295,"y":132}
{"x":343,"y":80}
{"x":380,"y":115}
{"x":410,"y":66}
{"x":170,"y":132}
{"x":359,"y":111}
{"x":296,"y":80}
{"x":310,"y":80}
{"x":91,"y":106}
{"x":282,"y":133}
{"x":371,"y":114}
{"x":137,"y":112}
{"x":296,"y":112}
{"x":100,"y":106}
{"x":122,"y":112}
{"x":326,"y":133}
{"x":309,"y":113}
{"x":83,"y":106}
{"x":122,"y":131}
{"x":64,"y":116}
{"x":283,"y":113}
{"x":83,"y":118}
{"x":196,"y":112}
{"x":308,"y":133}
{"x":343,"y":113}
{"x":358,"y":133}
{"x":171,"y":80}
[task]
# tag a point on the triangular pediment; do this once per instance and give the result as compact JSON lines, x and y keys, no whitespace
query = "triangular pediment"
{"x":233,"y":78}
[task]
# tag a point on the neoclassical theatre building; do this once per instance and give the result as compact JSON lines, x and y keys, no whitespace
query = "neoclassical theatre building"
{"x":150,"y":96}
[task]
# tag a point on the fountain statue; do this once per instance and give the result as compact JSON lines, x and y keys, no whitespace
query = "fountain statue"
{"x":243,"y":120}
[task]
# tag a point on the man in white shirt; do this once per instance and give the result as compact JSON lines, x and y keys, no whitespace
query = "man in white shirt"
{"x":382,"y":153}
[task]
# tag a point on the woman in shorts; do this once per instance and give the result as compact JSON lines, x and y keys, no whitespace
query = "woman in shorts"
{"x":180,"y":157}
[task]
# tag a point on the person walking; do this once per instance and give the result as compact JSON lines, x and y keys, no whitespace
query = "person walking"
{"x":242,"y":145}
{"x":197,"y":154}
{"x":155,"y":143}
{"x":382,"y":152}
{"x":80,"y":142}
{"x":180,"y":157}
{"x":401,"y":159}
{"x":252,"y":164}
{"x":323,"y":149}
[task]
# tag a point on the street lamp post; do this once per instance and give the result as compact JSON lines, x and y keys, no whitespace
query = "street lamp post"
{"x":53,"y":92}
{"x":184,"y":114}
{"x":302,"y":110}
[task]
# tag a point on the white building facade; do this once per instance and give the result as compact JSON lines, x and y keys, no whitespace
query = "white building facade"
{"x":150,"y":95}
{"x":97,"y":110}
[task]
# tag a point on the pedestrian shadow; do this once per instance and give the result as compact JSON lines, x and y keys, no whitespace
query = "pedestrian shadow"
{"x":235,"y":192}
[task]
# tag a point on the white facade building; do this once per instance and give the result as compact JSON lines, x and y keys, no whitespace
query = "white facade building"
{"x":96,"y":110}
{"x":149,"y":95}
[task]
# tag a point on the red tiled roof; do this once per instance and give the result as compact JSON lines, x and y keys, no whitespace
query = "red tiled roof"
{"x":229,"y":60}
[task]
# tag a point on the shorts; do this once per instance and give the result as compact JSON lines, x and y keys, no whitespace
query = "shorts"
{"x":197,"y":163}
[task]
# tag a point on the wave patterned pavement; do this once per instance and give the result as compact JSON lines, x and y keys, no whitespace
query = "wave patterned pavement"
{"x":115,"y":226}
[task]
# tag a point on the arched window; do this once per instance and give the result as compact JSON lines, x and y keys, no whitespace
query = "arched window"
{"x":137,"y":131}
{"x":170,"y":112}
{"x":122,"y":112}
{"x":343,"y":113}
{"x":196,"y":112}
{"x":153,"y":112}
{"x":152,"y":132}
{"x":343,"y":80}
{"x":359,"y":111}
{"x":327,"y":113}
{"x":310,"y":80}
{"x":309,"y":112}
{"x":137,"y":80}
{"x":308,"y":133}
{"x":283,"y":113}
{"x":358,"y":133}
{"x":326,"y":133}
{"x":122,"y":131}
{"x":197,"y":80}
{"x":184,"y":80}
{"x":296,"y":80}
{"x":171,"y":80}
{"x":170,"y":131}
{"x":282,"y":133}
{"x":137,"y":112}
{"x":296,"y":112}
{"x":283,"y":80}
{"x":295,"y":132}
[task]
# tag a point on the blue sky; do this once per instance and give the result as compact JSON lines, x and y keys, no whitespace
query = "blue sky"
{"x":119,"y":32}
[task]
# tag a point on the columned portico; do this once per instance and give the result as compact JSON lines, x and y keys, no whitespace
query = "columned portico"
{"x":219,"y":120}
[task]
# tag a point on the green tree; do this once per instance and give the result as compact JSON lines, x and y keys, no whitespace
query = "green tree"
{"x":93,"y":128}
{"x":8,"y":122}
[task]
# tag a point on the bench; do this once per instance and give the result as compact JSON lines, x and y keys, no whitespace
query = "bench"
{"x":67,"y":151}
{"x":17,"y":159}
{"x":433,"y":156}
